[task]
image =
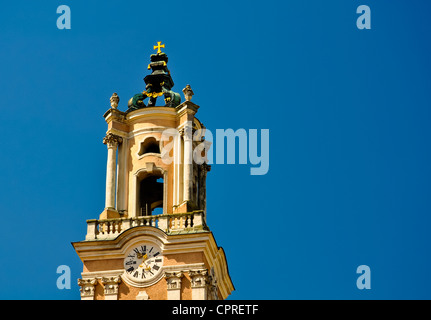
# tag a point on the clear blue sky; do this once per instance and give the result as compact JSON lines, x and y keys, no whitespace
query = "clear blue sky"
{"x":348,"y":112}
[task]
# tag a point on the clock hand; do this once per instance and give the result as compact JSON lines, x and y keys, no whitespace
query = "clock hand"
{"x":147,"y":267}
{"x":144,"y":258}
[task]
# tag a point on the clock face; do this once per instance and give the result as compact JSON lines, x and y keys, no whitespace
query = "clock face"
{"x":143,"y":262}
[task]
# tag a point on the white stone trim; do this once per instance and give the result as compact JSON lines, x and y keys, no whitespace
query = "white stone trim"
{"x":101,"y":274}
{"x":139,"y":284}
{"x":136,"y":114}
{"x":139,"y":132}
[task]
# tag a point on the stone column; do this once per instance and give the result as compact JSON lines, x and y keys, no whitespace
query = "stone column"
{"x":188,"y":160}
{"x":173,"y":280}
{"x":87,"y":288}
{"x":112,"y":141}
{"x":111,"y":287}
{"x":200,"y":281}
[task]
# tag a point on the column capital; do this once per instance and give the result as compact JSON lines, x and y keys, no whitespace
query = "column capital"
{"x":87,"y":288}
{"x":200,"y":278}
{"x":111,"y":285}
{"x":112,"y":140}
{"x":114,"y":279}
{"x":173,"y":280}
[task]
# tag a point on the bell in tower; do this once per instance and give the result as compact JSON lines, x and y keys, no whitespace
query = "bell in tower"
{"x":151,"y":241}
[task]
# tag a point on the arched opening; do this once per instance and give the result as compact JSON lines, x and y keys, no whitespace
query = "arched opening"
{"x":149,"y":145}
{"x":151,"y":195}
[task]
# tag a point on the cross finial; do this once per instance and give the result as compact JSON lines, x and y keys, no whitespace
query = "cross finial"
{"x":159,"y":46}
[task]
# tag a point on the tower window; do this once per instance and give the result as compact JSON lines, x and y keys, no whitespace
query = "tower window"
{"x":151,"y":196}
{"x":149,"y":145}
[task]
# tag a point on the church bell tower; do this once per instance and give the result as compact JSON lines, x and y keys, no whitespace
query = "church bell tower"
{"x":151,"y":241}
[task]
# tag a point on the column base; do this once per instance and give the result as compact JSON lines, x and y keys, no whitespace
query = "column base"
{"x":184,"y":207}
{"x":109,"y":213}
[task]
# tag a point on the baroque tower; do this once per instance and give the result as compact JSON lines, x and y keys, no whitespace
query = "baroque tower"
{"x":151,"y":241}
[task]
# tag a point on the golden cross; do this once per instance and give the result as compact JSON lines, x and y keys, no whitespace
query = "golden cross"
{"x":159,"y":46}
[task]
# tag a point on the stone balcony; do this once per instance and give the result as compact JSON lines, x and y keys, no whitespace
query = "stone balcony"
{"x":176,"y":223}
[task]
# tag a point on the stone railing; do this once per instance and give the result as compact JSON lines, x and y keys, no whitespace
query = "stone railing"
{"x":169,"y":223}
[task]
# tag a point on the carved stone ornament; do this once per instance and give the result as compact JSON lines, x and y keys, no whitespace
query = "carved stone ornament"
{"x":213,"y":294}
{"x":115,"y":99}
{"x":87,"y":287}
{"x":173,"y":279}
{"x":112,"y":140}
{"x":111,"y":284}
{"x":142,"y":295}
{"x":199,"y":278}
{"x":188,"y":92}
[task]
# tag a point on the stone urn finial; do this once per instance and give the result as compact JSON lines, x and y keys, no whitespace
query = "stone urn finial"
{"x":188,"y":92}
{"x":115,"y":99}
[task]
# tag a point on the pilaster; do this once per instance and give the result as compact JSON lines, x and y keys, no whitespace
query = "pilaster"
{"x":173,"y":280}
{"x":111,"y":285}
{"x":200,"y":281}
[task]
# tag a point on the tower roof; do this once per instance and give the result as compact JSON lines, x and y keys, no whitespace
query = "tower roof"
{"x":158,"y":83}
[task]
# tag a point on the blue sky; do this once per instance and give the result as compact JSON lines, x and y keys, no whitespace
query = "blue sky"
{"x":348,"y":112}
